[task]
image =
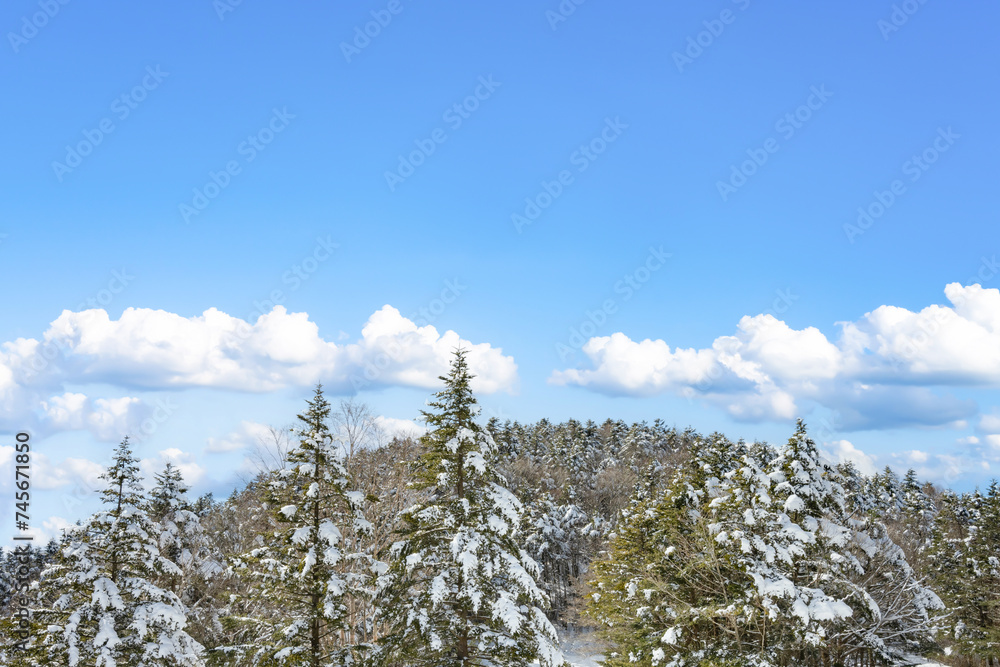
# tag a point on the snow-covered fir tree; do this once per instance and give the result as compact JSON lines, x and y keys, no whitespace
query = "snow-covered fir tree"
{"x":182,"y":538}
{"x":460,"y":590}
{"x":663,"y":592}
{"x":312,"y":567}
{"x":98,"y":604}
{"x":755,"y":561}
{"x":965,"y":570}
{"x":719,"y":553}
{"x":185,"y":542}
{"x":559,"y":537}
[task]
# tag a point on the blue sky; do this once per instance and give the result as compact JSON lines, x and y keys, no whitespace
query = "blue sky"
{"x":697,"y":171}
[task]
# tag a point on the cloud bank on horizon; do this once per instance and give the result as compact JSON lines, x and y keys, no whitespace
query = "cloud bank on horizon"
{"x":156,"y":350}
{"x":887,"y":369}
{"x":892,"y":367}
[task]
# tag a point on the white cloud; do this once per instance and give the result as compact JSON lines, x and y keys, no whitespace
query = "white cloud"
{"x":54,"y":526}
{"x":107,"y":418}
{"x":842,"y":451}
{"x":879,"y":374}
{"x":989,"y":424}
{"x":50,"y":528}
{"x":183,"y":461}
{"x":246,"y":435}
{"x":916,"y":456}
{"x":48,"y":474}
{"x":394,"y":427}
{"x":155,"y":349}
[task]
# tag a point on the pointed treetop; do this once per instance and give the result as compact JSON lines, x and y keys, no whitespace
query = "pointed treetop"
{"x":168,"y":494}
{"x":314,"y":420}
{"x":124,"y":486}
{"x":455,"y":402}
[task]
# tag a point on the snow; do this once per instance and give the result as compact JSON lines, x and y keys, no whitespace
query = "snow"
{"x":794,"y":504}
{"x":439,"y":589}
{"x":506,"y":610}
{"x":917,"y":661}
{"x":476,"y":460}
{"x":329,"y":533}
{"x":106,"y":594}
{"x":581,"y":649}
{"x":106,"y":640}
{"x":309,"y":561}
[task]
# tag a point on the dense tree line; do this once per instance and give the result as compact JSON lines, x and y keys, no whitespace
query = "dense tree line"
{"x":472,"y":544}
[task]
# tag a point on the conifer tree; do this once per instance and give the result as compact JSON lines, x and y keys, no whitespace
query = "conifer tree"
{"x":184,"y":541}
{"x":311,"y":567}
{"x":754,"y":561}
{"x":965,"y":570}
{"x":460,"y":590}
{"x":98,"y":604}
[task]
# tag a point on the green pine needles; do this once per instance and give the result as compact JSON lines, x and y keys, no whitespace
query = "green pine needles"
{"x":460,"y":590}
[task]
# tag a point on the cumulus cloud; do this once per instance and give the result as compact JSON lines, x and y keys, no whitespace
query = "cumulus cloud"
{"x":158,"y":350}
{"x":185,"y":462}
{"x":987,"y":446}
{"x":989,"y":423}
{"x":154,"y":349}
{"x":106,"y":418}
{"x":394,"y":427}
{"x":51,"y":528}
{"x":48,"y":474}
{"x":884,"y":370}
{"x":843,"y":451}
{"x":247,"y":434}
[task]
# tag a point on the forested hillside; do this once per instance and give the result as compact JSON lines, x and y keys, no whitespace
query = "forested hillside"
{"x":479,"y":543}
